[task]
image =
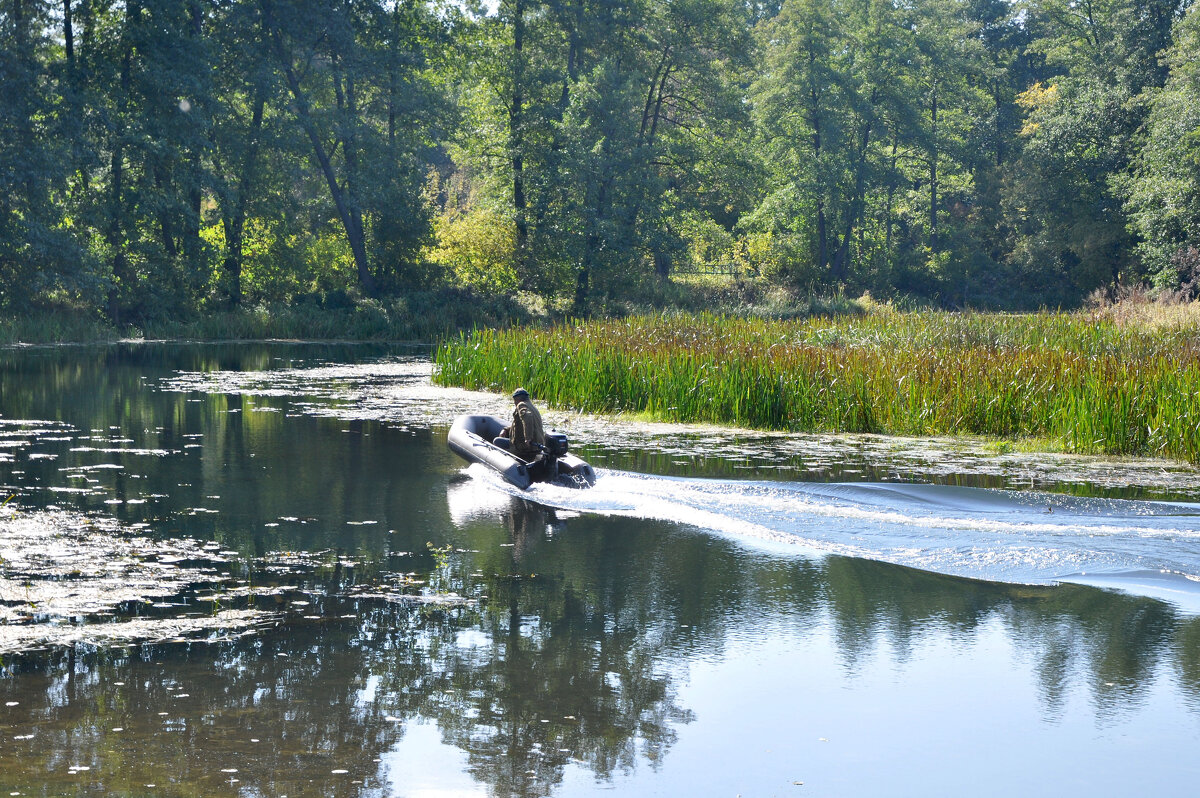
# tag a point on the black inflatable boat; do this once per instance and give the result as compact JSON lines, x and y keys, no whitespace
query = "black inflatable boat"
{"x":473,"y":439}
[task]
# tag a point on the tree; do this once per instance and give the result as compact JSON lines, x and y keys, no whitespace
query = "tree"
{"x":1070,"y":230}
{"x":947,"y":91}
{"x":1163,"y":191}
{"x":831,"y":87}
{"x":39,"y":256}
{"x":593,"y":125}
{"x":245,"y":89}
{"x":344,"y":63}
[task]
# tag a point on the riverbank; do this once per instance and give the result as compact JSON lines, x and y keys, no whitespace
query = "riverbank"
{"x":1119,"y":380}
{"x":426,"y":316}
{"x":1107,"y":382}
{"x":422,"y":316}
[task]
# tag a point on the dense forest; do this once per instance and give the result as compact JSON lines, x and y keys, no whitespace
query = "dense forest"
{"x":163,"y":158}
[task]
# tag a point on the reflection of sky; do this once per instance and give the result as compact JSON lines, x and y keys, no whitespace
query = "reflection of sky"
{"x":948,"y":717}
{"x":421,"y":766}
{"x":941,"y":714}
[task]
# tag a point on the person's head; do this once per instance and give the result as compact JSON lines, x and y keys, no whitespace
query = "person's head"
{"x":520,"y":395}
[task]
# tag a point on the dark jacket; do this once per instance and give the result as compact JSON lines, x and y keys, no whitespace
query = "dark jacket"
{"x":526,"y":431}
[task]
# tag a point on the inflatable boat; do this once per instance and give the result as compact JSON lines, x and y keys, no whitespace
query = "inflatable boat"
{"x":477,"y":439}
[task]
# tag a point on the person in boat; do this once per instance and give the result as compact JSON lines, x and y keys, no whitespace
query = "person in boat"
{"x":526,"y":433}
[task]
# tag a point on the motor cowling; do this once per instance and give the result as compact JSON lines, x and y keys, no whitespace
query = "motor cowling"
{"x":556,"y":444}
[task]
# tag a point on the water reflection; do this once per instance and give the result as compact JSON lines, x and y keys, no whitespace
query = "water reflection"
{"x":536,"y":681}
{"x":573,"y":658}
{"x":554,"y":652}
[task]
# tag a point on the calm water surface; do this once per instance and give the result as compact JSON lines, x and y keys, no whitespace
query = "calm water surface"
{"x":256,"y":570}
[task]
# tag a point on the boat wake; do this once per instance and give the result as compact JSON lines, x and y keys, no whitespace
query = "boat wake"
{"x":1028,"y":537}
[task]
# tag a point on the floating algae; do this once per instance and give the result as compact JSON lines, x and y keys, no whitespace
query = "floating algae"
{"x":68,"y":579}
{"x":65,"y":579}
{"x":223,"y":625}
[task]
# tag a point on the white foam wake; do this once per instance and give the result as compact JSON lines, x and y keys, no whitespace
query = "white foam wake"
{"x":997,"y":535}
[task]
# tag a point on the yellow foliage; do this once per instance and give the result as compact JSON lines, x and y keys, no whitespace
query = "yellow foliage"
{"x":478,"y":246}
{"x":1033,"y":99}
{"x":1037,"y":96}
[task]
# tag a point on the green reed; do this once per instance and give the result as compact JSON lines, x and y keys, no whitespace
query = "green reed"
{"x":1085,"y":383}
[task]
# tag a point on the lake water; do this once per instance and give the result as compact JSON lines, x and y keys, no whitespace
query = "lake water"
{"x":256,"y":570}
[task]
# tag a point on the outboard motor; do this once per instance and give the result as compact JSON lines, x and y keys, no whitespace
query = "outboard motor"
{"x":556,"y":444}
{"x":545,"y":467}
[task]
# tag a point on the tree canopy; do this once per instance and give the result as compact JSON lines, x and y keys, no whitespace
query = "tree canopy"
{"x":164,"y":158}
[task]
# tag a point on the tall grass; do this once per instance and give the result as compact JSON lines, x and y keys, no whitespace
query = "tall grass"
{"x":417,"y":316}
{"x":1087,"y":383}
{"x":56,"y":326}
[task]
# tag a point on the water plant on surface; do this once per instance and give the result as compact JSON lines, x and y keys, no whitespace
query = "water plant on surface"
{"x":440,"y":577}
{"x":1088,"y":384}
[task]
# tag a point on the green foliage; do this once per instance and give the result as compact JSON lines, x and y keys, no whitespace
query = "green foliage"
{"x":166,"y":159}
{"x":868,"y":114}
{"x":55,"y":326}
{"x":40,"y":255}
{"x":419,"y":316}
{"x":1163,"y":191}
{"x":1071,"y":232}
{"x":477,"y":246}
{"x":600,"y":127}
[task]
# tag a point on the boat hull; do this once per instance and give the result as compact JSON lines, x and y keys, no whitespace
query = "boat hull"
{"x":471,"y":437}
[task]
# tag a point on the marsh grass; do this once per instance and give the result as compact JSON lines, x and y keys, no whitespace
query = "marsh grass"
{"x":418,"y":316}
{"x":57,"y":326}
{"x":1085,"y":383}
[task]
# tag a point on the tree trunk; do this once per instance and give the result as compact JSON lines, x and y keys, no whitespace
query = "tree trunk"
{"x":354,"y":233}
{"x":592,"y":247}
{"x":235,"y":221}
{"x":165,"y":229}
{"x":999,"y":127}
{"x":69,"y":37}
{"x":572,"y":70}
{"x":401,"y":36}
{"x":840,"y":268}
{"x":662,"y":265}
{"x":516,"y":140}
{"x":891,"y":193}
{"x":814,"y":118}
{"x":822,"y":243}
{"x":579,"y":308}
{"x":192,"y":245}
{"x":348,"y":104}
{"x":115,"y":232}
{"x":933,"y":173}
{"x":657,"y":83}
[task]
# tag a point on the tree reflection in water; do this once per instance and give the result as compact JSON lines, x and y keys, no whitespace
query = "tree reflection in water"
{"x":538,"y":678}
{"x":571,"y":658}
{"x":577,"y":649}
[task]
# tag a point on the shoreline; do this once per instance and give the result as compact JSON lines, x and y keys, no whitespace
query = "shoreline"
{"x":1037,"y":462}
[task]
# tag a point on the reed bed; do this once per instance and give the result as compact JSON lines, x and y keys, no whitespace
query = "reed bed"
{"x":1084,"y":384}
{"x":53,"y":327}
